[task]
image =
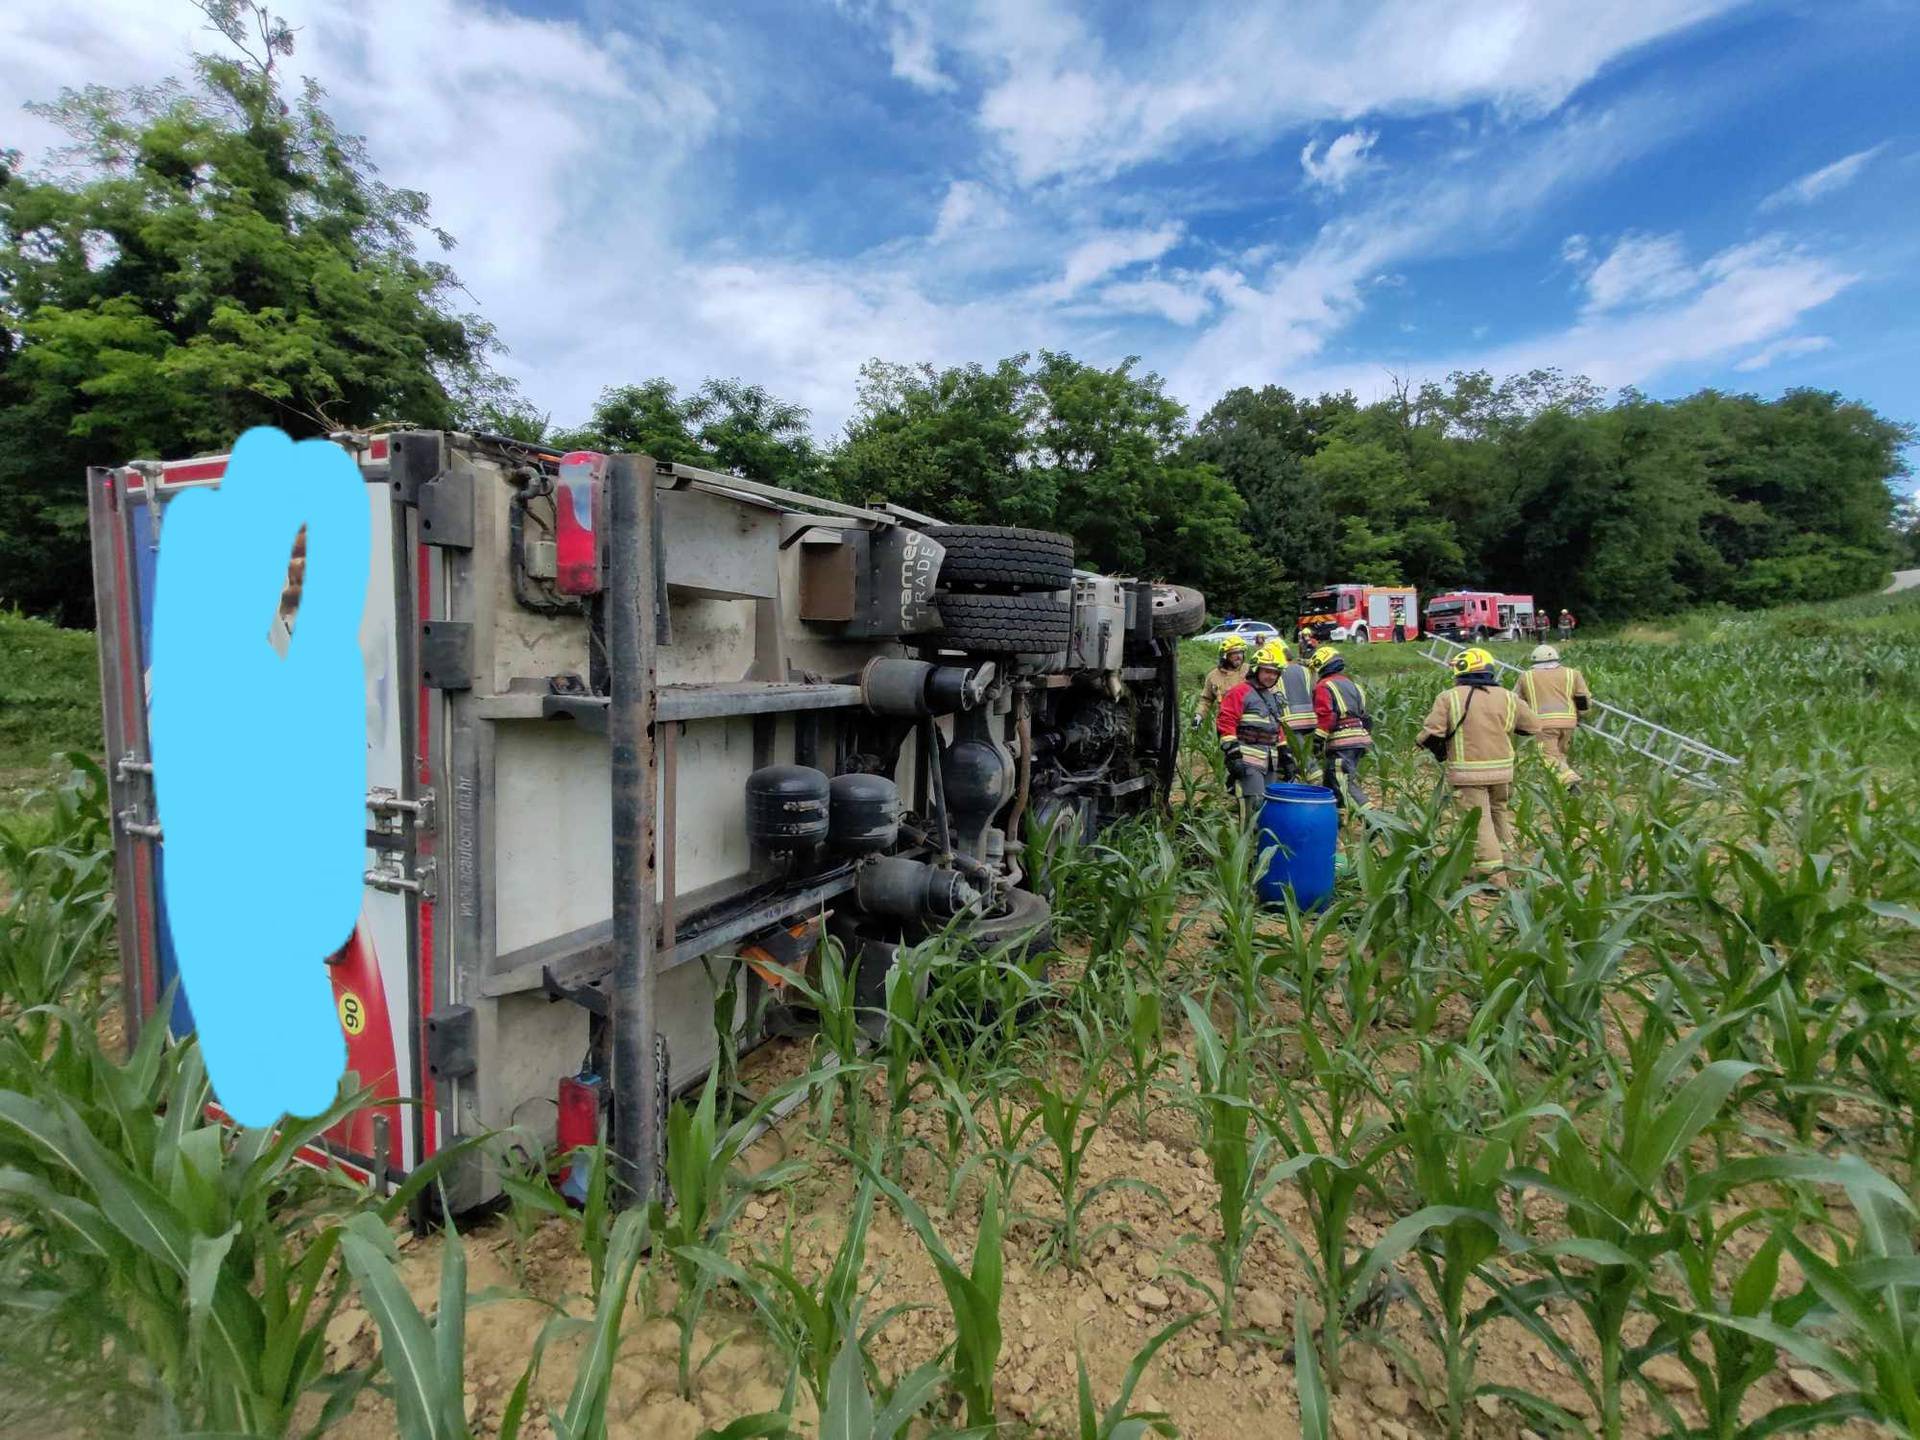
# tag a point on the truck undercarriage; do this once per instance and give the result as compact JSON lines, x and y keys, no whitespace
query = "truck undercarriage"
{"x":625,"y":717}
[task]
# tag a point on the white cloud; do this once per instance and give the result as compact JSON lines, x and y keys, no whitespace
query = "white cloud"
{"x":1109,"y":253}
{"x":1641,"y":270}
{"x":1576,"y":250}
{"x":1752,"y":294}
{"x":1182,"y":300}
{"x":1345,"y":157}
{"x":968,"y":207}
{"x":1824,"y":181}
{"x":1286,"y":315}
{"x":1059,"y":101}
{"x":1786,"y":349}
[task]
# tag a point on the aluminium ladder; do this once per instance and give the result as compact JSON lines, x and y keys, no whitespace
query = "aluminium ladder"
{"x":1694,"y":761}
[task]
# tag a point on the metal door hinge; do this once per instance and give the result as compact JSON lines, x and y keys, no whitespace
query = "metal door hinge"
{"x":130,"y":823}
{"x":390,"y":873}
{"x":392,"y":812}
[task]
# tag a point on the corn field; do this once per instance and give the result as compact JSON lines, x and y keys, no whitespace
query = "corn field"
{"x":1625,"y":1148}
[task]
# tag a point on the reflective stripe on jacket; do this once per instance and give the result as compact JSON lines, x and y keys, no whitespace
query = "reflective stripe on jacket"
{"x":1482,"y":720}
{"x":1340,"y":713}
{"x":1250,"y":722}
{"x":1296,"y":697}
{"x":1551,"y":691}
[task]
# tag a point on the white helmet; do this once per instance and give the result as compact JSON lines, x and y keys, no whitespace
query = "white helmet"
{"x":1545,"y":655}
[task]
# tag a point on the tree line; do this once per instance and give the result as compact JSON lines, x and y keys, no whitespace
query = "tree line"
{"x":218,"y":255}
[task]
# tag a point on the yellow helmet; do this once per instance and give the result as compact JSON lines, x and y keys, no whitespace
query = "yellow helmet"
{"x":1272,"y":653}
{"x":1322,"y":656}
{"x":1232,"y":643}
{"x":1472,"y":659}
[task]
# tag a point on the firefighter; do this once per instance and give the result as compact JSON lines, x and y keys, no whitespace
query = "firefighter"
{"x":1342,"y":728}
{"x":1296,"y":711}
{"x":1470,"y":731}
{"x":1399,"y":620}
{"x":1223,"y":677}
{"x":1558,"y":695}
{"x":1252,"y":726}
{"x":1567,"y":624}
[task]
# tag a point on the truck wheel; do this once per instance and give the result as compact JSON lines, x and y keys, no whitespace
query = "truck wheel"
{"x":1363,"y":636}
{"x":1029,"y":920}
{"x":1005,"y":624}
{"x":1178,"y":610}
{"x":1004,"y":557}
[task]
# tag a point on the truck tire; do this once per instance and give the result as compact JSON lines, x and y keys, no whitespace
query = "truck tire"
{"x":1004,"y":558}
{"x":1178,"y":610}
{"x":1029,"y":920}
{"x":1005,"y":624}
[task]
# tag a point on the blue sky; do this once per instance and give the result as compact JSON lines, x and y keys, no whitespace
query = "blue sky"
{"x":1664,"y":193}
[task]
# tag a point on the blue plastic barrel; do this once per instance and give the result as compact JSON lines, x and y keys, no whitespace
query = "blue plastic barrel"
{"x":1302,"y":825}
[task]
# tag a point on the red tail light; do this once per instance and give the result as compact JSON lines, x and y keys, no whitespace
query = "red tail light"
{"x":578,"y":500}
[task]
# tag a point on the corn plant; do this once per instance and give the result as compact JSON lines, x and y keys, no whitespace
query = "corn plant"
{"x":851,"y":1409}
{"x":201,"y":1253}
{"x":1611,"y":1191}
{"x":1117,"y":1422}
{"x":903,"y":1048}
{"x":1143,"y":1051}
{"x":708,"y":1194}
{"x":1334,"y":1145}
{"x":425,"y":1360}
{"x":973,"y":1296}
{"x":1709,"y":1329}
{"x":1456,"y":1157}
{"x":1870,"y":1291}
{"x":1316,"y":1409}
{"x":585,"y":1415}
{"x":56,"y":876}
{"x":1069,"y":1119}
{"x":837,"y":1009}
{"x":1232,"y":854}
{"x":1236,"y":1153}
{"x":816,"y":1324}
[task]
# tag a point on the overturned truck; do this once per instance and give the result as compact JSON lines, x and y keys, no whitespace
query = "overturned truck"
{"x":626,"y":716}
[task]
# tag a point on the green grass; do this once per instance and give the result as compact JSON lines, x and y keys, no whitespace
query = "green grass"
{"x":49,"y":703}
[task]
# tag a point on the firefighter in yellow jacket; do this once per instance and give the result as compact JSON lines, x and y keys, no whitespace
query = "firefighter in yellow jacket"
{"x":1231,"y":670}
{"x":1470,"y":730}
{"x":1558,"y":695}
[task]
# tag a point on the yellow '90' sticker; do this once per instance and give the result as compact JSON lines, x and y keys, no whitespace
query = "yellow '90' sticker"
{"x":353,"y":1015}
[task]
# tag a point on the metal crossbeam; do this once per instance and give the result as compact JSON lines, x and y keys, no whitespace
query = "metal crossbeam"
{"x":1694,"y":761}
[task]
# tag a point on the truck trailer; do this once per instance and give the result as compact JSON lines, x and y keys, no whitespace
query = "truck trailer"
{"x":628,"y":720}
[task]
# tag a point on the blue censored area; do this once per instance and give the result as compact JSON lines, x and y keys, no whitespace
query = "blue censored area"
{"x":259,"y":765}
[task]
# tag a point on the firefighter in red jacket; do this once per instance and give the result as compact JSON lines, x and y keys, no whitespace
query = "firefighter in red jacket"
{"x":1343,"y":730}
{"x":1252,"y":721}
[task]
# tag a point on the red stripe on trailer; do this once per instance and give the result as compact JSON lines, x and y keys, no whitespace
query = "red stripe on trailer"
{"x":132,"y":707}
{"x":429,"y":1116}
{"x":320,"y":1157}
{"x":354,"y":973}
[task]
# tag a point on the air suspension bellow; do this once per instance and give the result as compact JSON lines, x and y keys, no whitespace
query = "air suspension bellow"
{"x":905,"y":889}
{"x":863,"y":816}
{"x":787,"y":808}
{"x":892,"y":686}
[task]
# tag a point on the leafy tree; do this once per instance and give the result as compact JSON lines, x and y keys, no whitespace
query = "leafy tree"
{"x":204,"y":259}
{"x":724,"y":425}
{"x":1058,"y":444}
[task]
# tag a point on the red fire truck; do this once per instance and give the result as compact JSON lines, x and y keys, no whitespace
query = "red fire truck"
{"x":1355,"y":614}
{"x":1479,"y":615}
